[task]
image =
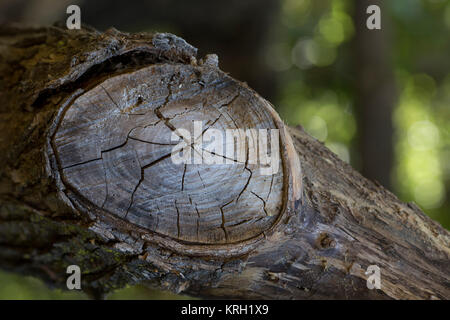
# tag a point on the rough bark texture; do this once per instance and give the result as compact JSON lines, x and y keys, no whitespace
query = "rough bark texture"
{"x":320,"y":248}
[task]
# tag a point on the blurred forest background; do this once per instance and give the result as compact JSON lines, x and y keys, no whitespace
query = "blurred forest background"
{"x":380,"y":99}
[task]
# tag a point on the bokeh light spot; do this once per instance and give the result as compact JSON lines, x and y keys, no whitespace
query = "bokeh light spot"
{"x":423,"y":135}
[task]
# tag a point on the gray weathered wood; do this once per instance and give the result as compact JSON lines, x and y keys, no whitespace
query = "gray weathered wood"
{"x":112,"y":147}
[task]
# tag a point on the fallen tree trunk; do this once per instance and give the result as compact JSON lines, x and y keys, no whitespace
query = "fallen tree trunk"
{"x":314,"y":239}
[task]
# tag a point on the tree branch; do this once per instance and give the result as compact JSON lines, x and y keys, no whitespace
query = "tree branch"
{"x":320,"y":249}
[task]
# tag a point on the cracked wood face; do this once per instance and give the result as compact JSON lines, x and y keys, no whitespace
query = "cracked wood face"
{"x":113,"y":146}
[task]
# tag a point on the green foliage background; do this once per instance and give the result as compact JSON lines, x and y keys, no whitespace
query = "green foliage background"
{"x":311,"y":51}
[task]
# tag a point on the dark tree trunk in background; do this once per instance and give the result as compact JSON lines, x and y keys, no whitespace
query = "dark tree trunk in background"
{"x":375,"y":94}
{"x":236,"y":29}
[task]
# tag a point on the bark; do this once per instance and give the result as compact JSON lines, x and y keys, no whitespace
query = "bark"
{"x":319,"y":249}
